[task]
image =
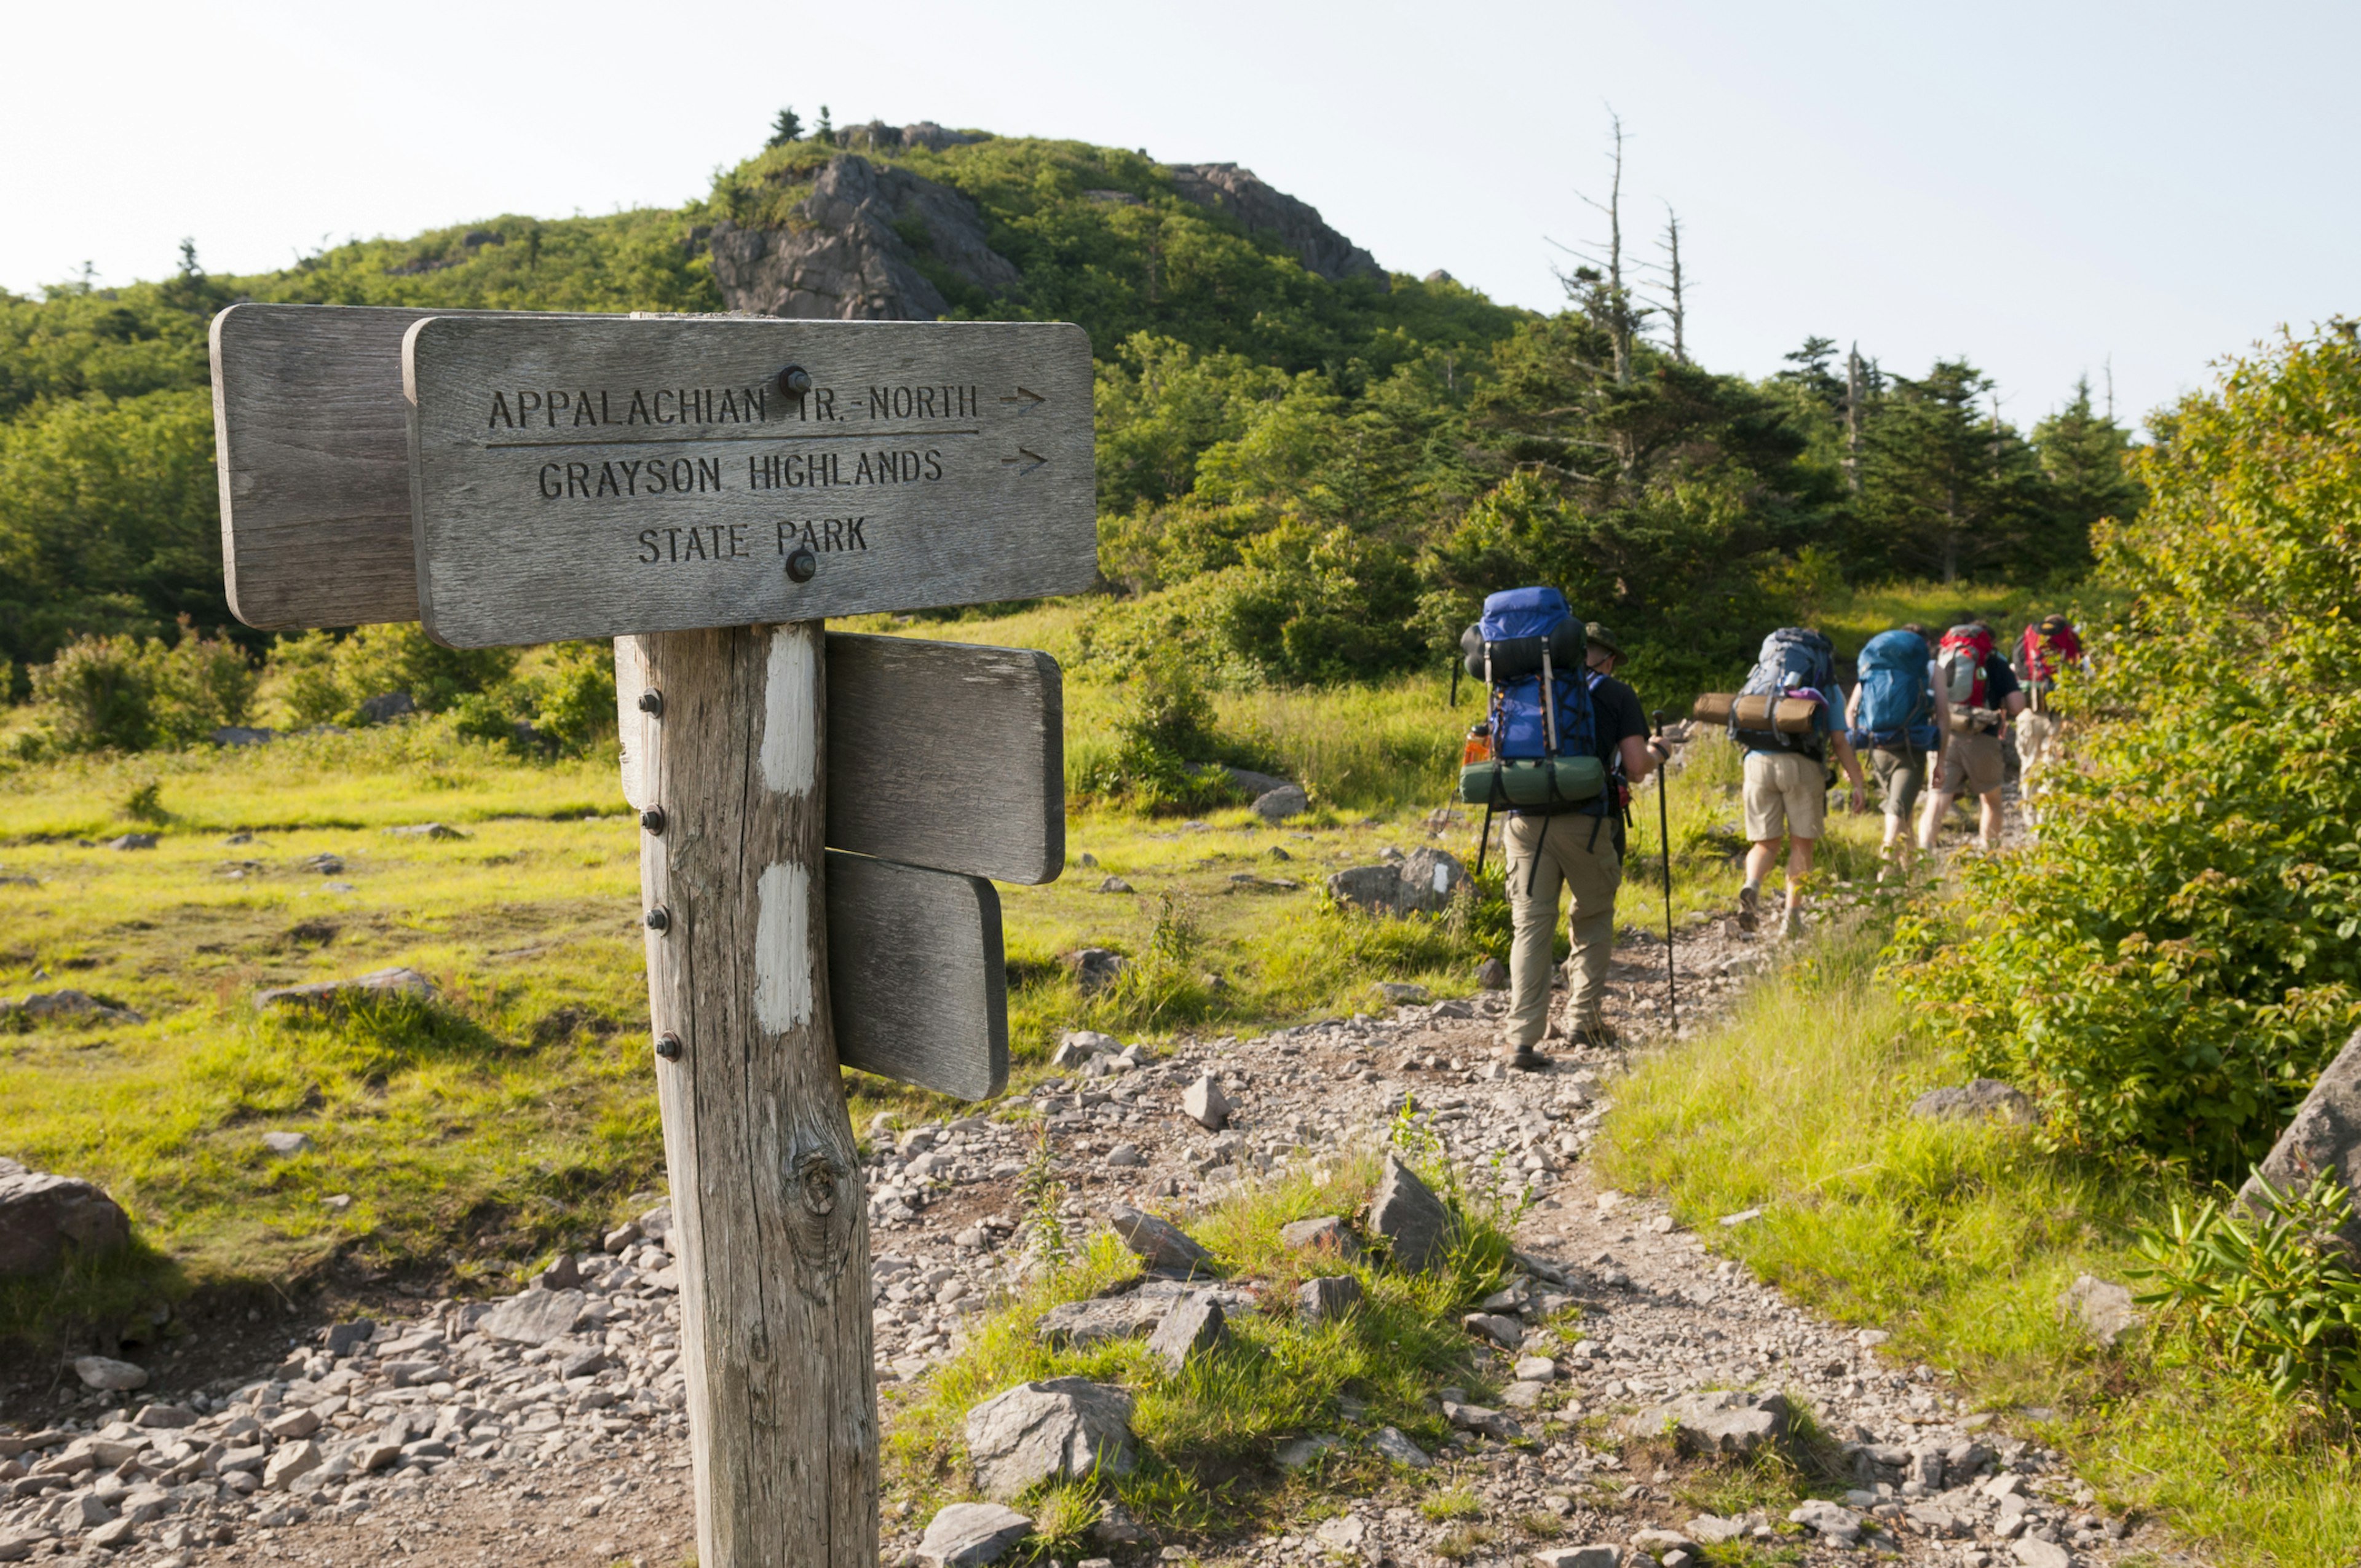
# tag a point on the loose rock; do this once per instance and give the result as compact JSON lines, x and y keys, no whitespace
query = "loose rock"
{"x":331,"y":993}
{"x":1193,"y":1326}
{"x":1984,"y":1099}
{"x":105,"y":1372}
{"x":536,"y":1317}
{"x":967,"y":1535}
{"x":1054,"y":1430}
{"x":1409,"y":1215}
{"x":1158,"y":1243}
{"x":1332,"y":1297}
{"x":1725,"y":1422}
{"x":1207,"y":1104}
{"x":2103,"y":1310}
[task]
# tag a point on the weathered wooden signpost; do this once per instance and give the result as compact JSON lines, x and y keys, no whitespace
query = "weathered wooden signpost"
{"x":818,"y":814}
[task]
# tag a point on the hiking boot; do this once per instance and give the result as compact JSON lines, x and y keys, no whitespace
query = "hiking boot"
{"x":1529,"y":1061}
{"x":1791,"y":925}
{"x":1596,"y":1037}
{"x":1750,"y":908}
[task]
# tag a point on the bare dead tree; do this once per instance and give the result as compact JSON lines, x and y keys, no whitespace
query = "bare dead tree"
{"x":1674,"y":306}
{"x":1621,"y":319}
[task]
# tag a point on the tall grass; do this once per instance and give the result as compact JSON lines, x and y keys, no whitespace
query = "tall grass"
{"x":1959,"y":1239}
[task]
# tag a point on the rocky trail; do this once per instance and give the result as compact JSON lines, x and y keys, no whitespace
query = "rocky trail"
{"x":548,"y":1428}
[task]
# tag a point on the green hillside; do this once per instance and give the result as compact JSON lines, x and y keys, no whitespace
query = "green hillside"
{"x":1302,"y":479}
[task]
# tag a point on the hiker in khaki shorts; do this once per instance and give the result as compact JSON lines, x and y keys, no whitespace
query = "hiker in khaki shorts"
{"x":1787,"y":794}
{"x":1973,"y":757}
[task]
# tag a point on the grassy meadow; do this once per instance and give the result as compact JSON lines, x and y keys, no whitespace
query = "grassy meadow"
{"x":515,"y":1114}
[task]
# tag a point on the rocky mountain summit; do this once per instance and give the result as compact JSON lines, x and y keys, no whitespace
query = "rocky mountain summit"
{"x":874,"y":241}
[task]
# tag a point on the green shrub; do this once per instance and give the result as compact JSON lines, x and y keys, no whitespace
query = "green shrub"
{"x":2173,"y":962}
{"x":326,"y":678}
{"x":1166,"y":743}
{"x":127,"y":694}
{"x":2275,"y":1292}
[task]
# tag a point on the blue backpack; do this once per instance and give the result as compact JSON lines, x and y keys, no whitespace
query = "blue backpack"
{"x":1793,"y":659}
{"x":1897,"y":709}
{"x":1542,"y":751}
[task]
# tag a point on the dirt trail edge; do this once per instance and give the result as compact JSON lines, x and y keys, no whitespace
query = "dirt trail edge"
{"x":547,"y":1428}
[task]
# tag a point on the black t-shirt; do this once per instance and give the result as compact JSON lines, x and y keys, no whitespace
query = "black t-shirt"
{"x":2000,"y":681}
{"x":1616,"y":716}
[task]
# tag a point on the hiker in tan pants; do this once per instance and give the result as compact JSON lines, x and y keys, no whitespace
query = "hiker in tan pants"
{"x":1581,"y":852}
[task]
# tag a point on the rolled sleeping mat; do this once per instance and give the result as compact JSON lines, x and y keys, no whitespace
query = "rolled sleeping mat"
{"x":1790,"y":716}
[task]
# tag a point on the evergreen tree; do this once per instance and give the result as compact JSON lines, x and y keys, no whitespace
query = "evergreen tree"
{"x":1812,"y":375}
{"x":1948,"y":488}
{"x":826,"y":134}
{"x":2082,"y":453}
{"x":787,"y":127}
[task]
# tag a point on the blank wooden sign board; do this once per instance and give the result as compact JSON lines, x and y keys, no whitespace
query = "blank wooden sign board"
{"x":819,"y":812}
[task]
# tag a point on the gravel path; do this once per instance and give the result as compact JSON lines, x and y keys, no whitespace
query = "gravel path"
{"x":549,"y":1429}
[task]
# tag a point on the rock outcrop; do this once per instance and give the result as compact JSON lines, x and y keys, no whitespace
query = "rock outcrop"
{"x":844,"y":255}
{"x":2324,"y":1137}
{"x":1239,"y":194}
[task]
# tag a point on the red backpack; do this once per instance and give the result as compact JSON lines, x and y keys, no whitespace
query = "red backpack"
{"x":1960,"y":663}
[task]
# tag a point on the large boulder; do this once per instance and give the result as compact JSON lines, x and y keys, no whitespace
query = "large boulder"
{"x":1421,"y":882}
{"x":2324,"y":1137}
{"x":842,"y":254}
{"x":1410,"y":1216}
{"x":1060,"y":1430}
{"x":41,"y":1215}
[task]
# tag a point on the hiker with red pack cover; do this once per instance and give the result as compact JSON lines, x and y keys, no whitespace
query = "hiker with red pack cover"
{"x":2041,"y":654}
{"x":1983,"y":696}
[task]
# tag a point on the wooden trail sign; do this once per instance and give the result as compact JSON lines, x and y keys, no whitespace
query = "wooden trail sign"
{"x":620,"y":475}
{"x":940,"y":755}
{"x":749,"y":741}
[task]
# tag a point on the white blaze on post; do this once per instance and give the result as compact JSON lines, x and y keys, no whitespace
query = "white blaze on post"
{"x":790,"y":724}
{"x":783,"y":959}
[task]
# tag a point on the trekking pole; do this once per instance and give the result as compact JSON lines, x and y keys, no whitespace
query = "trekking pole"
{"x":1664,"y":833}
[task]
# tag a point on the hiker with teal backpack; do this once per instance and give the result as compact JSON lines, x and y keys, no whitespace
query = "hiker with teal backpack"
{"x":1787,"y":791}
{"x":1985,"y":697}
{"x":1896,"y":715}
{"x":1562,"y":744}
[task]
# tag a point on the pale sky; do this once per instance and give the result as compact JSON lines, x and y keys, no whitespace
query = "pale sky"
{"x":2043,"y":189}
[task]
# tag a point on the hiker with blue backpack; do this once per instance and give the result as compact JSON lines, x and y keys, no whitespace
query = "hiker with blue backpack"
{"x":1896,"y":714}
{"x":1785,"y":717}
{"x":1562,"y":743}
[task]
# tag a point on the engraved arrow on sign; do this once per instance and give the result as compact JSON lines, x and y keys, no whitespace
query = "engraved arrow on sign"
{"x":1030,"y":399}
{"x":1022,"y":454}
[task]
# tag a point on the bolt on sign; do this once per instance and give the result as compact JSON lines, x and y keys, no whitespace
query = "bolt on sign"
{"x":818,"y":813}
